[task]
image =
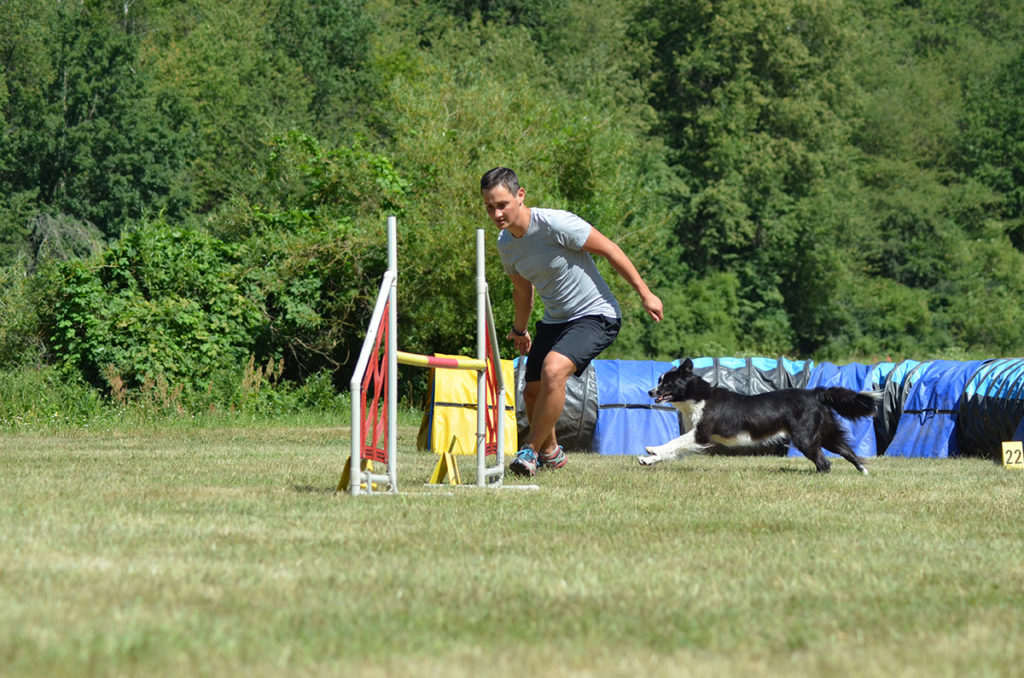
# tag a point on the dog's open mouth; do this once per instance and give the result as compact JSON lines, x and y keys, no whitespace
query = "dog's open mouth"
{"x":661,"y":397}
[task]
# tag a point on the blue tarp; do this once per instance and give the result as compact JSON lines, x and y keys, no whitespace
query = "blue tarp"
{"x":856,"y":377}
{"x":628,"y":419}
{"x":928,"y":422}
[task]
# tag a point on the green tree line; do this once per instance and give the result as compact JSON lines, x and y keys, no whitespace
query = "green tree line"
{"x":184,"y":186}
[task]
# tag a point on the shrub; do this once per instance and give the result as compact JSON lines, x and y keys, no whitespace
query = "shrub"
{"x":46,"y":398}
{"x":161,"y":302}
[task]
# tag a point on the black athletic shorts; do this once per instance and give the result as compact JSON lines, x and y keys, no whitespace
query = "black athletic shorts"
{"x":579,"y":340}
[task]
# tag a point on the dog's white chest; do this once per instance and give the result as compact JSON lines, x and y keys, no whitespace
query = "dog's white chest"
{"x":692,"y":411}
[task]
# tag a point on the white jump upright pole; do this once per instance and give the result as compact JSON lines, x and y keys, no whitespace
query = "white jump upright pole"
{"x":481,"y":354}
{"x":393,"y":354}
{"x":487,"y":335}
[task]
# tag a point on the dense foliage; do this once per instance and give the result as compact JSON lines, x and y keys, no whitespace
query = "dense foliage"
{"x":188,"y":186}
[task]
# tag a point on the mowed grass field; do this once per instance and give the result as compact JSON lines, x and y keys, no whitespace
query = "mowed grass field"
{"x":223,"y":551}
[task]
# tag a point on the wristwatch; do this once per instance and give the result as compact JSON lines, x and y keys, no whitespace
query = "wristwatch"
{"x":518,"y":333}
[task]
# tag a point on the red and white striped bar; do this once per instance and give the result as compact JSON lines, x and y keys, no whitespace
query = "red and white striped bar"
{"x":457,"y":363}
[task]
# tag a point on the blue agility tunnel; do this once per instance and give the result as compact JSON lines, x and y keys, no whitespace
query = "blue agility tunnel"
{"x":895,"y":391}
{"x":991,"y":408}
{"x":928,"y":419}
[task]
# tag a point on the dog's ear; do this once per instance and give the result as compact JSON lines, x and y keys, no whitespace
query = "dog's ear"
{"x":687,"y":365}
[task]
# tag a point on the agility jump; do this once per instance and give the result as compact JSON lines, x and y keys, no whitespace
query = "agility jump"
{"x":375,"y":381}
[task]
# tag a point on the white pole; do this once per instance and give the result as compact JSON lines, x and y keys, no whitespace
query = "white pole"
{"x":357,"y":434}
{"x":481,"y":353}
{"x":392,"y":351}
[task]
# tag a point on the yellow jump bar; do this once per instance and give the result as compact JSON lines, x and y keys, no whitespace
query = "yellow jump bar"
{"x":418,"y":360}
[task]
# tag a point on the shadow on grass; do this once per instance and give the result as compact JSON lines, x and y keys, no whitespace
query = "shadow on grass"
{"x":682,"y":467}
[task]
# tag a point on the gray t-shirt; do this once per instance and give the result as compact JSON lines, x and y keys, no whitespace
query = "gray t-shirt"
{"x":550,"y":256}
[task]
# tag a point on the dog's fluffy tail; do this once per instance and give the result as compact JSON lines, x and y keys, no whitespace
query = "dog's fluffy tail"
{"x":850,"y":404}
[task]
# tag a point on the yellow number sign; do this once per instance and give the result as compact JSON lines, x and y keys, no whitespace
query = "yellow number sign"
{"x":1013,"y":454}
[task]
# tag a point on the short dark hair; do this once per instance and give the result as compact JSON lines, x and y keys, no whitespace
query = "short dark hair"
{"x":500,"y":176}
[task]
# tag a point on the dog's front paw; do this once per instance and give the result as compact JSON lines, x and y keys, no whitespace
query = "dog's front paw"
{"x":647,"y":460}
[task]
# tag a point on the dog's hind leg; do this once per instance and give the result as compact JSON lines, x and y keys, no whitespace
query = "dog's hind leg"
{"x":836,"y":442}
{"x":817,"y":455}
{"x":806,"y":438}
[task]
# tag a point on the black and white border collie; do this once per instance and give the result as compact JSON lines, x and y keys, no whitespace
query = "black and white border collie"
{"x":714,"y":415}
